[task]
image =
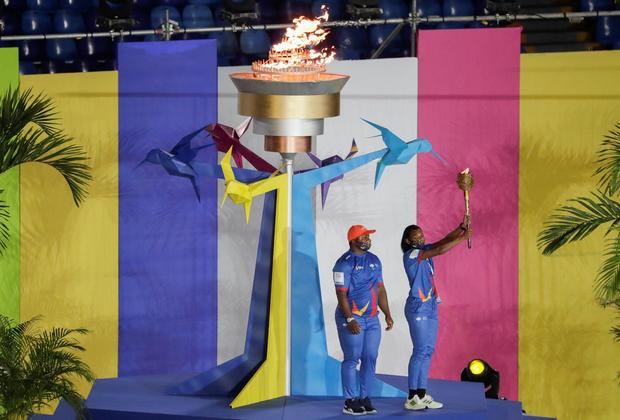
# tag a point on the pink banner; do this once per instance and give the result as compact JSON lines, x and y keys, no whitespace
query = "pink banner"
{"x":469,"y":110}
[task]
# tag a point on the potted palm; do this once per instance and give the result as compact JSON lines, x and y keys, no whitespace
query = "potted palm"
{"x":30,"y":132}
{"x":38,"y":367}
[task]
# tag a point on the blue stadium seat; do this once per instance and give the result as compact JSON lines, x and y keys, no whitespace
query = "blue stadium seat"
{"x":594,"y":5}
{"x":80,"y":6}
{"x":479,"y":6}
{"x":255,"y":42}
{"x":90,"y":21}
{"x":227,"y":44}
{"x":12,"y":24}
{"x":291,"y":9}
{"x":62,"y":66}
{"x":350,"y":38}
{"x":197,"y":16}
{"x":36,"y":22}
{"x":95,"y":48}
{"x":207,"y":2}
{"x":48,"y":5}
{"x":142,"y":20}
{"x":31,"y":50}
{"x":379,"y":33}
{"x":607,"y":30}
{"x":173,"y":3}
{"x":458,"y":8}
{"x":97,"y":65}
{"x":428,"y":8}
{"x":28,"y":67}
{"x":394,"y":8}
{"x":61,"y":49}
{"x":68,"y":21}
{"x":349,"y":54}
{"x":269,"y":11}
{"x":142,"y":5}
{"x":15,"y":5}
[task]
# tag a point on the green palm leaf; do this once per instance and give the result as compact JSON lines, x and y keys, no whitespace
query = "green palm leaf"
{"x":17,"y":110}
{"x":39,"y":367}
{"x":607,"y":282}
{"x":609,"y":162}
{"x":29,"y":132}
{"x":572,"y":223}
{"x":5,"y":216}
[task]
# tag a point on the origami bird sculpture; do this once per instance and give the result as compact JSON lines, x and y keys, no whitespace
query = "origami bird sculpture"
{"x":178,"y":161}
{"x":329,"y":161}
{"x":240,"y":192}
{"x":399,"y":152}
{"x":226,"y":137}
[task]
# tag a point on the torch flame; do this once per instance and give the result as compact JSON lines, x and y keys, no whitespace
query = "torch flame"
{"x":466,"y":171}
{"x":297,"y":53}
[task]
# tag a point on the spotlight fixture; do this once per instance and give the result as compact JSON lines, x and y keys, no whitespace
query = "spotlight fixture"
{"x":502,"y":7}
{"x":239,"y":11}
{"x":364,"y":9}
{"x":115,"y":15}
{"x":480,"y":371}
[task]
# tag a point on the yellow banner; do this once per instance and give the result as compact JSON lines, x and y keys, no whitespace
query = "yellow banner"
{"x":69,"y":269}
{"x":568,"y":361}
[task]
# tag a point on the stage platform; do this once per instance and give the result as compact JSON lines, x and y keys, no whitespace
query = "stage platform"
{"x":146,"y":398}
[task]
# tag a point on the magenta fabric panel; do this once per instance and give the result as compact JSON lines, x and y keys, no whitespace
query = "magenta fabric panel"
{"x":469,"y":110}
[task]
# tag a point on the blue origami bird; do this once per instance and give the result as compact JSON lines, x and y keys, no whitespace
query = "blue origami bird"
{"x":399,"y":152}
{"x":178,"y":162}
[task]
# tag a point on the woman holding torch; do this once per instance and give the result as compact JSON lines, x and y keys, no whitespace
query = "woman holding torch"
{"x":421,"y":306}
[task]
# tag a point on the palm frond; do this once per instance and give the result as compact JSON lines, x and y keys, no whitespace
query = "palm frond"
{"x":5,"y":216}
{"x":56,"y":150}
{"x":607,"y":281}
{"x":572,"y":223}
{"x":609,"y":162}
{"x":615,"y":330}
{"x":17,"y":110}
{"x":39,"y":367}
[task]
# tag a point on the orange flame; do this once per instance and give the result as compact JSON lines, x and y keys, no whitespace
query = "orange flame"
{"x":296,"y":52}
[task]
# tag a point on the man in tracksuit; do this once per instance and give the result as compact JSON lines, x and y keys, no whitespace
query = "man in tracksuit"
{"x":360,"y":290}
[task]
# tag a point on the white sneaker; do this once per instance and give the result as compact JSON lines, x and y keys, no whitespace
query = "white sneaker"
{"x":417,"y":403}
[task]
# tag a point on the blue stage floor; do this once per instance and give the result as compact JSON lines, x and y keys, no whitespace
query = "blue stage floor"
{"x":145,"y":398}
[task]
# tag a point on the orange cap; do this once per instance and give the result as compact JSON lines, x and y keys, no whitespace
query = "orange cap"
{"x":356,"y":231}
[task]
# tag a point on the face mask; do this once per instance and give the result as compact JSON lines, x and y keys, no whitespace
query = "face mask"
{"x":364,"y":246}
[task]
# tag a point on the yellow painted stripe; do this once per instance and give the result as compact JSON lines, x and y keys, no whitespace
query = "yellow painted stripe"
{"x":568,"y":361}
{"x":70,"y":255}
{"x":270,"y":380}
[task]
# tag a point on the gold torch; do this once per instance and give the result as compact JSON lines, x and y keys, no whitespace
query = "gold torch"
{"x":465,"y":181}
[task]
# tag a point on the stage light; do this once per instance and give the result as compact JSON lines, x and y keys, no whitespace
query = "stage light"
{"x":480,"y":371}
{"x":239,"y":11}
{"x":364,"y":9}
{"x":502,"y":7}
{"x":476,"y":367}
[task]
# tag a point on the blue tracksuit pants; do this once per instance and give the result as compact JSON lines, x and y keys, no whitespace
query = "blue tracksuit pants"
{"x":423,"y":331}
{"x":363,"y":346}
